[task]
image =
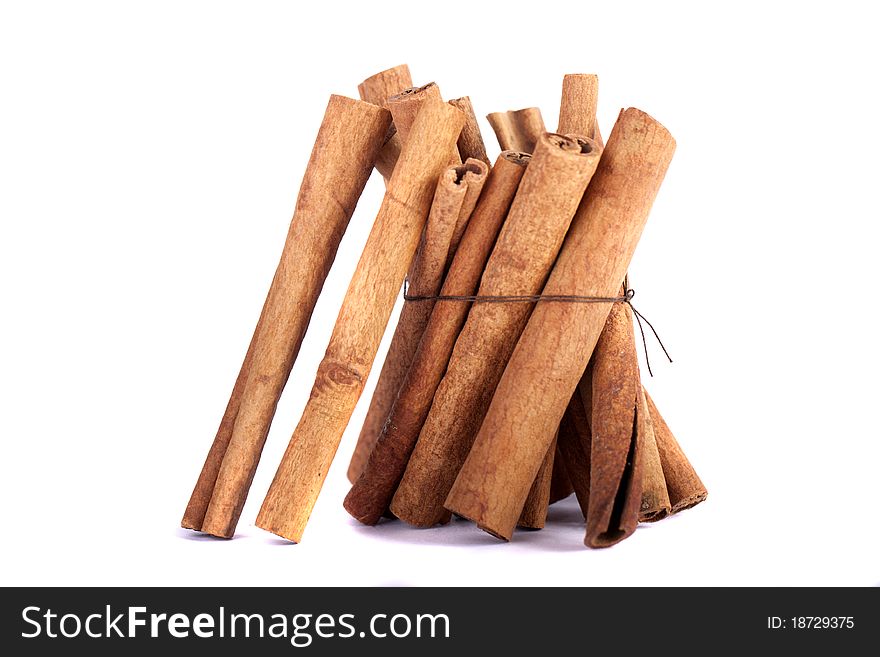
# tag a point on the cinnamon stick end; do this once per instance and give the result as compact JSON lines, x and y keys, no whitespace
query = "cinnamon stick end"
{"x":288,"y":533}
{"x":492,"y":532}
{"x":689,"y":502}
{"x":653,"y":515}
{"x":191,"y":523}
{"x":360,"y":511}
{"x":607,"y":539}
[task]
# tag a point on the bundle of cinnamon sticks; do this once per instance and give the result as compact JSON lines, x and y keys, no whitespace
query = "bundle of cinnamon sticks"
{"x":512,"y":379}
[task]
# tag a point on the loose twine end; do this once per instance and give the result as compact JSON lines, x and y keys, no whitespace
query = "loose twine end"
{"x":627,"y":298}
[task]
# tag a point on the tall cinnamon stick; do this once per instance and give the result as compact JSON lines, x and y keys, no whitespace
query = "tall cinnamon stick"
{"x":682,"y":482}
{"x":348,"y":140}
{"x":577,"y":115}
{"x":377,"y":89}
{"x":577,"y":111}
{"x":388,"y":459}
{"x":454,"y":201}
{"x":470,"y":142}
{"x":194,"y":515}
{"x":518,"y":130}
{"x":552,"y":353}
{"x":361,"y":322}
{"x":404,"y":108}
{"x":539,"y":217}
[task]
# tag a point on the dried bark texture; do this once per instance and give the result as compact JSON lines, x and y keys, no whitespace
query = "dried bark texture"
{"x":555,"y":346}
{"x":577,"y":114}
{"x":370,"y":495}
{"x":454,"y":201}
{"x":377,"y":89}
{"x":577,"y":111}
{"x":362,"y":319}
{"x":560,"y":484}
{"x":575,"y":445}
{"x":405,"y":107}
{"x":470,"y":142}
{"x":615,"y":490}
{"x":527,"y":247}
{"x":684,"y":486}
{"x":534,"y":512}
{"x":518,"y":130}
{"x":340,"y":164}
{"x":655,"y":497}
{"x":194,"y":515}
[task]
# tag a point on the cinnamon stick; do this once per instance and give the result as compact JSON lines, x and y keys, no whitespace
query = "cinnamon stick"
{"x":518,"y":130}
{"x":684,"y":486}
{"x":348,"y":140}
{"x":470,"y":142}
{"x":365,"y":312}
{"x":560,"y":484}
{"x":407,"y":104}
{"x":615,"y":480}
{"x":655,"y":496}
{"x":575,"y":445}
{"x":194,"y":514}
{"x":523,"y":256}
{"x":377,"y":89}
{"x":559,"y":338}
{"x":404,"y":108}
{"x":534,"y":511}
{"x":388,"y":459}
{"x":454,"y":201}
{"x":577,"y":111}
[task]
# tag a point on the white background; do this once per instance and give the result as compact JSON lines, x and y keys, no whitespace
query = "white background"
{"x":150,"y":156}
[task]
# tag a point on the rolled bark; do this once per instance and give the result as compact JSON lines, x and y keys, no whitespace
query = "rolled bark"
{"x":682,"y":482}
{"x":577,"y":111}
{"x":362,"y":319}
{"x":377,"y":89}
{"x":518,"y":130}
{"x":534,"y":511}
{"x":377,"y":482}
{"x":470,"y":142}
{"x":560,"y":484}
{"x":539,"y":217}
{"x":577,"y":114}
{"x":575,"y":445}
{"x":655,"y":496}
{"x":404,"y":107}
{"x":555,"y":346}
{"x":341,"y":161}
{"x":616,"y":428}
{"x":194,"y":515}
{"x":454,"y":201}
{"x":521,"y":127}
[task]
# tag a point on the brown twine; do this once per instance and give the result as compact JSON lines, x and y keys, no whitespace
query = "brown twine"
{"x":627,"y":297}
